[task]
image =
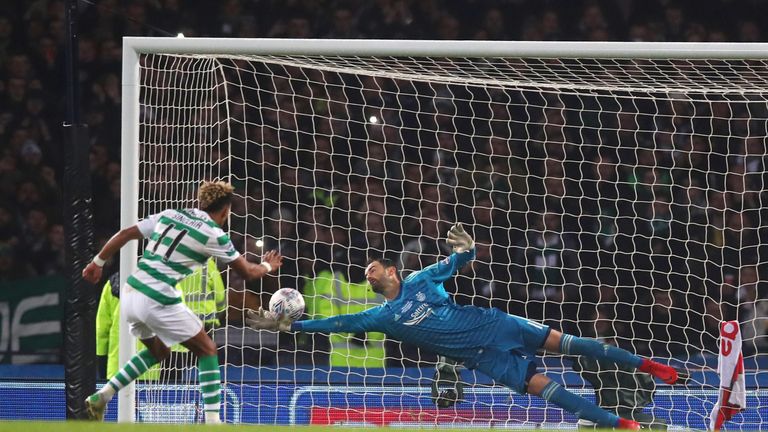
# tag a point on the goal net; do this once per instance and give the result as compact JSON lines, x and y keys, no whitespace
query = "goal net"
{"x":610,"y":195}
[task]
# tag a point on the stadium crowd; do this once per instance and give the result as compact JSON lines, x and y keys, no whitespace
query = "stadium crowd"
{"x":595,"y":240}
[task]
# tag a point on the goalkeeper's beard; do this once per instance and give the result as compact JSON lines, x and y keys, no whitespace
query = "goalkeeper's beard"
{"x":377,"y":287}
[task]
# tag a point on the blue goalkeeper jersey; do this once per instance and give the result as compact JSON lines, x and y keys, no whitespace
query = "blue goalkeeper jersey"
{"x":424,"y":315}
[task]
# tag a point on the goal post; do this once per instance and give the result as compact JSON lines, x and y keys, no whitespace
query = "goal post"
{"x":615,"y":190}
{"x":129,"y":211}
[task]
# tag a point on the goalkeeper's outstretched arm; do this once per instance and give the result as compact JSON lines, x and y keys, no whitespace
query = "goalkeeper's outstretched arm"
{"x":351,"y":323}
{"x":463,"y":252}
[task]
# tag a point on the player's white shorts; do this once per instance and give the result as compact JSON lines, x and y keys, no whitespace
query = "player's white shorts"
{"x":146,"y":318}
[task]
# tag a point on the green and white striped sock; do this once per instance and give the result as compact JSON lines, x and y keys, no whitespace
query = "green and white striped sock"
{"x":210,"y":386}
{"x":136,"y":366}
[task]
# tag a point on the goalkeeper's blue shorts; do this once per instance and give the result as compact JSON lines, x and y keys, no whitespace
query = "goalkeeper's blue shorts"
{"x":509,"y":359}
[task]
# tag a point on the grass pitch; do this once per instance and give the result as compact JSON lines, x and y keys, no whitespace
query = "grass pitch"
{"x":80,"y":426}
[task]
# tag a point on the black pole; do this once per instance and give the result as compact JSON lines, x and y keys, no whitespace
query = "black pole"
{"x":72,"y":58}
{"x":81,"y":298}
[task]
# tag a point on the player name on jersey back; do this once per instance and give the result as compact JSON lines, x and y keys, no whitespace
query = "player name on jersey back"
{"x":180,"y":241}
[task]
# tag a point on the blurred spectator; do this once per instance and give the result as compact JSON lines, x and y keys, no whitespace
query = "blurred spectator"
{"x":713,"y":316}
{"x":674,"y":24}
{"x":6,"y":38}
{"x":425,"y":247}
{"x":749,"y":32}
{"x":34,"y":236}
{"x":449,"y":28}
{"x":661,"y":323}
{"x":753,"y":310}
{"x":639,"y":33}
{"x":695,"y":32}
{"x":106,"y":24}
{"x":392,"y":19}
{"x":281,"y":234}
{"x":592,"y":20}
{"x":10,"y":176}
{"x":549,"y":27}
{"x":28,"y":198}
{"x":727,"y":294}
{"x":231,"y":20}
{"x":11,"y":266}
{"x":299,"y":27}
{"x":34,"y":119}
{"x":135,"y":19}
{"x":547,"y":267}
{"x":485,"y":282}
{"x":493,"y":26}
{"x":15,"y":94}
{"x":9,"y":229}
{"x":52,"y":255}
{"x":343,"y":25}
{"x":30,"y":156}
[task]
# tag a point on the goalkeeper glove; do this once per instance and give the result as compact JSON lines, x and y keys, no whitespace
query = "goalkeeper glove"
{"x":266,"y":320}
{"x":459,"y":240}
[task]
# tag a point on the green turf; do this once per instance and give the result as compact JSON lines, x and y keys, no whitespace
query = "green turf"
{"x":78,"y":426}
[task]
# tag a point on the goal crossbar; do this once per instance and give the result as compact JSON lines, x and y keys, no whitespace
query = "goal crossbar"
{"x":443,"y":48}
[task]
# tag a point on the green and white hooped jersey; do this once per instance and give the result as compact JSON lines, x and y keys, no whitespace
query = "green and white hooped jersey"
{"x":180,"y":241}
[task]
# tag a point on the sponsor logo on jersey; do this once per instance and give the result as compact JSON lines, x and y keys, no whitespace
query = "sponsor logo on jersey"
{"x":446,"y":260}
{"x":419,"y":315}
{"x":420,"y":296}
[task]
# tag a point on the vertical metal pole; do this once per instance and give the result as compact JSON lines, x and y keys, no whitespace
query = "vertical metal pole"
{"x":71,"y":64}
{"x":81,"y":298}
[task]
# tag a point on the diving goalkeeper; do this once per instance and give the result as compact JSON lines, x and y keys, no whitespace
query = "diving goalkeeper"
{"x":419,"y":311}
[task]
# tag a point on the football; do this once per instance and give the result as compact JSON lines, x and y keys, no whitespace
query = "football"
{"x":287,"y":301}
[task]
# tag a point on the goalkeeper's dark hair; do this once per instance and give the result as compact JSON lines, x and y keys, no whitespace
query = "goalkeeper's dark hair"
{"x":214,"y":196}
{"x":385,"y":262}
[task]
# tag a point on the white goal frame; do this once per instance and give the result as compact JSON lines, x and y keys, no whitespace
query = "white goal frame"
{"x":133,"y":47}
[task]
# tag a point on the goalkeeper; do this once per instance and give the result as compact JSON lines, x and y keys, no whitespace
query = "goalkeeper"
{"x":419,"y":311}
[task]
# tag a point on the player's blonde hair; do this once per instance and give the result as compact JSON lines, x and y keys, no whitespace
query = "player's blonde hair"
{"x":213,"y":196}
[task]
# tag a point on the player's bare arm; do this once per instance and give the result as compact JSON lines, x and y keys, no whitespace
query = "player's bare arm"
{"x":92,"y":272}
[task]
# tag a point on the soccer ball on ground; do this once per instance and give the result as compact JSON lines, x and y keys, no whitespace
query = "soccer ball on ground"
{"x":287,"y":301}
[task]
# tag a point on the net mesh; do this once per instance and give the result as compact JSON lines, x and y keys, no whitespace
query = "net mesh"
{"x":620,"y":199}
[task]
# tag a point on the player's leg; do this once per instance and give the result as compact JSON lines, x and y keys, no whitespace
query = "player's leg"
{"x":138,"y":310}
{"x":178,"y":324}
{"x":519,"y":374}
{"x":155,"y":352}
{"x":540,"y":385}
{"x":573,"y":345}
{"x":210,"y":377}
